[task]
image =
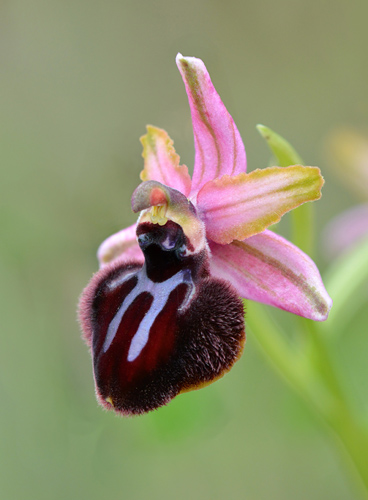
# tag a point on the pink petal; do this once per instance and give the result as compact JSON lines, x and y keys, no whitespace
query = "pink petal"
{"x":267,"y":268}
{"x":234,"y":208}
{"x":346,"y":230}
{"x":219,"y":149}
{"x":161,"y":162}
{"x":120,"y":245}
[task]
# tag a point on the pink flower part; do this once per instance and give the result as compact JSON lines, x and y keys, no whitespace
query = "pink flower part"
{"x":240,"y":206}
{"x":267,"y":268}
{"x":219,"y":149}
{"x":345,"y":230}
{"x":163,"y":315}
{"x":161,"y":162}
{"x":121,"y":245}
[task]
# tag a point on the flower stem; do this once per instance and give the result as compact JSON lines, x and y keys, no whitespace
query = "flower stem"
{"x":311,"y":369}
{"x":292,"y":364}
{"x":303,"y":228}
{"x":342,"y":417}
{"x":353,"y":435}
{"x":312,"y":373}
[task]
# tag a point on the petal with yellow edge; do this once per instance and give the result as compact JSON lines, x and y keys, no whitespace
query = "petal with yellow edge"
{"x":235,"y":208}
{"x":161,"y":162}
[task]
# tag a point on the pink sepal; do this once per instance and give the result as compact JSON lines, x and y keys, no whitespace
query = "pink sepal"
{"x":237,"y":207}
{"x":269,"y":269}
{"x":219,"y":149}
{"x":162,"y":163}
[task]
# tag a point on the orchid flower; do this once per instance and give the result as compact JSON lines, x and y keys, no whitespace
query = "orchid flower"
{"x":349,"y":152}
{"x":164,"y":314}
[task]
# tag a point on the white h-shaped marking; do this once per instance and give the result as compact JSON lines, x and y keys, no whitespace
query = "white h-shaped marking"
{"x":160,"y":293}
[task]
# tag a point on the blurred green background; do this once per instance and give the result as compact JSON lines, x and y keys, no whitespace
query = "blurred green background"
{"x":79,"y":82}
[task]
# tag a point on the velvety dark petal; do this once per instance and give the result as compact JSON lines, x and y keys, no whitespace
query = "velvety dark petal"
{"x":212,"y":334}
{"x":162,"y":328}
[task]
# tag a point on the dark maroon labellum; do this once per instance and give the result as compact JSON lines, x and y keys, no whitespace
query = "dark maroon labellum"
{"x":162,"y":328}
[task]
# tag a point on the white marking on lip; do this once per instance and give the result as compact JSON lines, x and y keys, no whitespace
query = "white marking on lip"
{"x":189,"y":295}
{"x":160,"y":293}
{"x":119,"y":281}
